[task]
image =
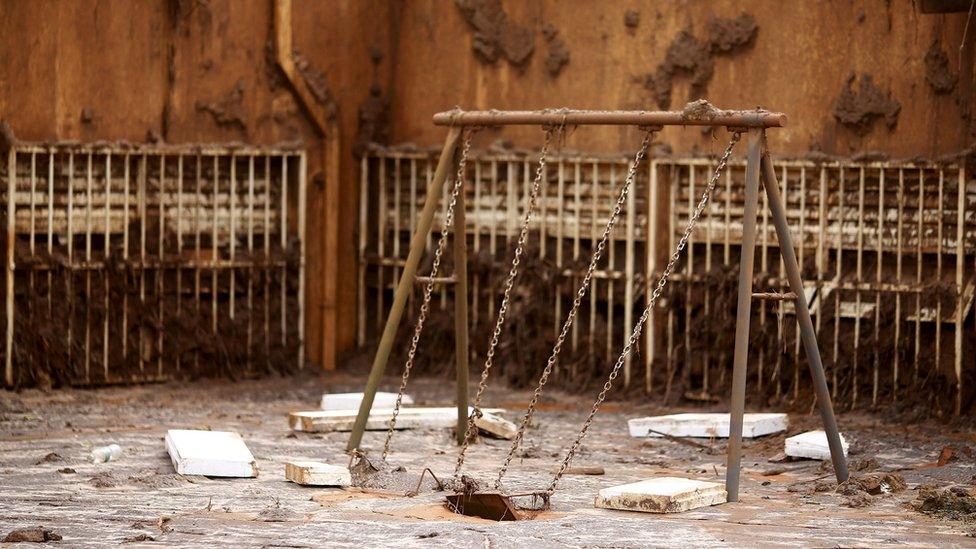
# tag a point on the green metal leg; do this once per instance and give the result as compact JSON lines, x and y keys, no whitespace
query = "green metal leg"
{"x":417,"y":244}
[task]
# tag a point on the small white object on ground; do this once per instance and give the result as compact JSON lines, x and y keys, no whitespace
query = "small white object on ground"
{"x":706,"y":425}
{"x":662,"y":495}
{"x":316,"y":473}
{"x":103,"y":454}
{"x":326,"y":421}
{"x":351,"y":401}
{"x":812,"y":445}
{"x":495,"y":426}
{"x":210,"y":453}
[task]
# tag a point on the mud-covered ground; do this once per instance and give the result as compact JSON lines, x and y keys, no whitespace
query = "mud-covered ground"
{"x":46,"y":480}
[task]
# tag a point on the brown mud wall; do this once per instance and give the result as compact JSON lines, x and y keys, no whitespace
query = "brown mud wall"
{"x":202,"y":70}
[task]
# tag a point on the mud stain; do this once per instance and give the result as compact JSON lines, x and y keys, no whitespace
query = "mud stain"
{"x":858,"y":109}
{"x":228,"y":109}
{"x":557,"y":55}
{"x":495,"y":35}
{"x":937,"y":73}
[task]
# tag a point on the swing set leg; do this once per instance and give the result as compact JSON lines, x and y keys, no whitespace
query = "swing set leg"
{"x":758,"y":157}
{"x":417,"y":244}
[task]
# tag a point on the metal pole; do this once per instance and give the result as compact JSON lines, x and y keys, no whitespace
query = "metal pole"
{"x":417,"y":243}
{"x":803,"y":318}
{"x":573,"y":117}
{"x":461,"y":316}
{"x":743,"y":316}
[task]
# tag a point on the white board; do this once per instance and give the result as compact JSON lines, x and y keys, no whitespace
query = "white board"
{"x":662,"y":495}
{"x":210,"y":453}
{"x":811,"y":445}
{"x":706,"y":425}
{"x":325,"y":421}
{"x":351,"y":401}
{"x":316,"y":473}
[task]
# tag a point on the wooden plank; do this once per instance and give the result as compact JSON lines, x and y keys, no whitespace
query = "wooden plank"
{"x":661,"y":495}
{"x":706,"y":425}
{"x":210,"y":453}
{"x":316,"y":473}
{"x":327,"y":421}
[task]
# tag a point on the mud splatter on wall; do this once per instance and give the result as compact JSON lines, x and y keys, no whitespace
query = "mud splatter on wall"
{"x":858,"y":109}
{"x":937,"y":73}
{"x":557,"y":56}
{"x":495,"y":35}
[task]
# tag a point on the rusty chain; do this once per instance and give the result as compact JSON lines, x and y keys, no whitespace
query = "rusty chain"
{"x":429,"y":287}
{"x":638,"y":328}
{"x":506,"y":295}
{"x":580,"y":293}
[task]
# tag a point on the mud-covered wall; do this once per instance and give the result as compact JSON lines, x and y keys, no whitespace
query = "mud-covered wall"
{"x":853,"y":75}
{"x":198,"y":71}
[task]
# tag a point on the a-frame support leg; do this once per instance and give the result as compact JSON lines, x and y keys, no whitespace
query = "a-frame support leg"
{"x":417,"y":244}
{"x":758,"y":159}
{"x":743,"y":314}
{"x":807,"y":332}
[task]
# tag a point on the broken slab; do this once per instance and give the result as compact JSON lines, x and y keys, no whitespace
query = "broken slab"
{"x":812,"y":445}
{"x":210,"y":453}
{"x":327,"y":421}
{"x":662,"y":495}
{"x":316,"y":473}
{"x":706,"y":425}
{"x":351,"y":401}
{"x":495,"y":426}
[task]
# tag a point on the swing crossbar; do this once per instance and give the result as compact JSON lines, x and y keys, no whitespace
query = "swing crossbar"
{"x":574,"y":117}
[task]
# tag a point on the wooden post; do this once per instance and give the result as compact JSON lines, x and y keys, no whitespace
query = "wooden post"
{"x":417,"y":243}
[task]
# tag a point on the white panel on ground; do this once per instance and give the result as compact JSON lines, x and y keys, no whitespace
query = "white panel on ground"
{"x":811,"y":445}
{"x":662,"y":495}
{"x":351,"y":401}
{"x":324,"y":421}
{"x":706,"y":425}
{"x":316,"y":473}
{"x":210,"y":453}
{"x":495,"y":426}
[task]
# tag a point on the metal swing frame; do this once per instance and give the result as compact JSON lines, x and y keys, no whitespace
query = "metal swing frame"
{"x":753,"y":123}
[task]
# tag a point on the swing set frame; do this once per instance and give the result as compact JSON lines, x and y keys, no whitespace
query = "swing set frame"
{"x":752,"y":123}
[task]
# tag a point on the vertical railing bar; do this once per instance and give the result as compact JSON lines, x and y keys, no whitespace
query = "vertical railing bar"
{"x":578,"y":217}
{"x":214,"y":244}
{"x":629,"y":274}
{"x":706,"y":356}
{"x":381,"y":244}
{"x":125,"y":256}
{"x":960,"y":276}
{"x":11,"y":264}
{"x":898,"y":277}
{"x":160,"y":270}
{"x":179,"y":251}
{"x":268,"y":198}
{"x":557,"y":286}
{"x":493,"y":227}
{"x":413,"y":221}
{"x":232,"y":212}
{"x":822,"y":258}
{"x":395,"y":280}
{"x":284,"y":251}
{"x":611,"y":268}
{"x":689,"y":268}
{"x":476,"y":244}
{"x":143,"y":169}
{"x":918,"y":274}
{"x":938,"y":268}
{"x":801,"y":246}
{"x":361,"y":270}
{"x":302,"y":248}
{"x":250,"y":260}
{"x":650,"y":271}
{"x":593,"y":282}
{"x":89,"y":182}
{"x":672,"y":217}
{"x":780,"y":312}
{"x":876,"y":377}
{"x":105,"y":272}
{"x":50,"y":227}
{"x":197,"y":255}
{"x":837,"y":281}
{"x":857,"y":291}
{"x":764,"y":264}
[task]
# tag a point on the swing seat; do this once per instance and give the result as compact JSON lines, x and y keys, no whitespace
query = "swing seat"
{"x":494,"y":505}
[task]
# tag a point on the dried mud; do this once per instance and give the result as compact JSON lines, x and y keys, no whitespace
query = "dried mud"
{"x":495,"y":35}
{"x":858,"y":109}
{"x":228,"y":109}
{"x":937,"y":73}
{"x":557,"y":56}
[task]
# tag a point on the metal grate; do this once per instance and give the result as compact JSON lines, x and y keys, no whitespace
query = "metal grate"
{"x":144,"y":262}
{"x":876,"y":241}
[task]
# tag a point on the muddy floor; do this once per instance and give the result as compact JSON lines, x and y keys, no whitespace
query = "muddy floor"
{"x":46,"y":480}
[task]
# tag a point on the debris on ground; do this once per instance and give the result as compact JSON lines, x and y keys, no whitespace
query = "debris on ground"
{"x":955,"y":503}
{"x":316,"y":473}
{"x":210,"y":453}
{"x":811,"y":445}
{"x":37,"y":534}
{"x":662,"y":495}
{"x":352,"y":401}
{"x":858,"y":489}
{"x":138,"y":538}
{"x":104,"y":454}
{"x":276,"y":513}
{"x":51,"y":457}
{"x":706,"y":425}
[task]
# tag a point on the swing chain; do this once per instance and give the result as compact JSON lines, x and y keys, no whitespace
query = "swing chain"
{"x":509,"y":284}
{"x":635,"y":334}
{"x":429,"y":287}
{"x":580,"y":293}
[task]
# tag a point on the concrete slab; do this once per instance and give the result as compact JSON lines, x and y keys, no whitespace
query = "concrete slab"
{"x":316,"y":473}
{"x":706,"y":425}
{"x":662,"y":495}
{"x":495,"y":426}
{"x":811,"y":445}
{"x":327,"y":421}
{"x":210,"y":453}
{"x":351,"y":401}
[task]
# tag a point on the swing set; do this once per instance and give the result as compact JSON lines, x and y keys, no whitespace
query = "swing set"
{"x":494,"y":503}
